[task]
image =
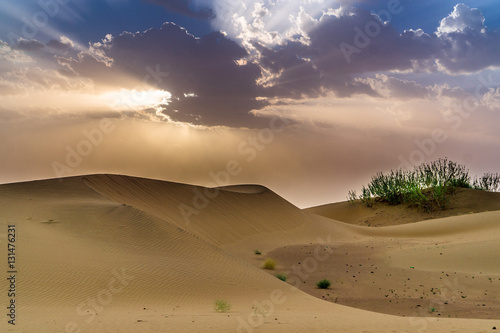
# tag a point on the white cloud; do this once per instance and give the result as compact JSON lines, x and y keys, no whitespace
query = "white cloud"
{"x":267,"y":22}
{"x":13,"y":56}
{"x":492,"y":99}
{"x":391,"y":87}
{"x":462,"y":18}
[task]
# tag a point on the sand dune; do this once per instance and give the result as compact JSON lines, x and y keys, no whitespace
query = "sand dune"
{"x":217,"y":215}
{"x":115,"y":254}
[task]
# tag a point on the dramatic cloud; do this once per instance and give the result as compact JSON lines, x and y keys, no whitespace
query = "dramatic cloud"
{"x":334,"y":49}
{"x":339,"y":46}
{"x":467,"y":44}
{"x":207,"y":84}
{"x":268,"y":52}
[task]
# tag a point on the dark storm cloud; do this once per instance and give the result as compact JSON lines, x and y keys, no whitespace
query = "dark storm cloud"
{"x":470,"y":51}
{"x":462,"y":44}
{"x":29,"y":45}
{"x":58,"y":45}
{"x":338,"y":49}
{"x":357,"y":42}
{"x":185,"y":7}
{"x":206,"y":84}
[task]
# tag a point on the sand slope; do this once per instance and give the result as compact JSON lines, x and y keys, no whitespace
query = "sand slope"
{"x":114,"y":254}
{"x":447,"y":264}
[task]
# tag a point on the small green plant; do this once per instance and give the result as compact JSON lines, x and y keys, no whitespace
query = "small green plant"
{"x":269,"y":264}
{"x":222,"y":306}
{"x":323,"y":284}
{"x":257,"y":252}
{"x":280,"y":276}
{"x":433,"y":309}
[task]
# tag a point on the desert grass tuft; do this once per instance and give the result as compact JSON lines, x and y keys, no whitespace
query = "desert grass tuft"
{"x":222,"y":306}
{"x":323,"y":284}
{"x":269,"y":264}
{"x":281,"y":276}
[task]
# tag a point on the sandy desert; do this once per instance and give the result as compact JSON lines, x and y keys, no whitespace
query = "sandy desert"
{"x":110,"y":253}
{"x":192,"y":166}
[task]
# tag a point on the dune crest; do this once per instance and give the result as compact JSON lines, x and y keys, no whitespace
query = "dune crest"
{"x":249,"y":189}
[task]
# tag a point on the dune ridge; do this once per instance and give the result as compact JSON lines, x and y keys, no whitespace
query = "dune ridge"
{"x":223,"y":217}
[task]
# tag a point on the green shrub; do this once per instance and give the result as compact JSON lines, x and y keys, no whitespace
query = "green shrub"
{"x":282,"y":277}
{"x":427,"y":186}
{"x":222,"y":306}
{"x":323,"y":284}
{"x":269,"y":264}
{"x":391,"y":187}
{"x":257,"y":252}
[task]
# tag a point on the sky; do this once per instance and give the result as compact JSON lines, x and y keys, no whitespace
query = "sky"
{"x":307,"y":97}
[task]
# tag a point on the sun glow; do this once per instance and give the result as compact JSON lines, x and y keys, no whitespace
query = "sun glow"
{"x":132,"y":99}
